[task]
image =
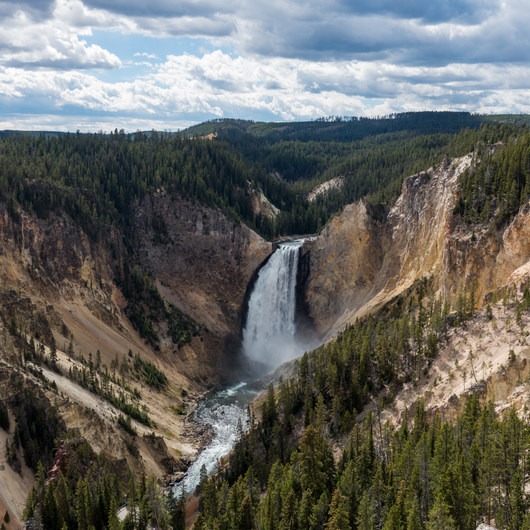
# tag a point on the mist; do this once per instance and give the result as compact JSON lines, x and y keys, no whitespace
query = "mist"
{"x":270,"y":336}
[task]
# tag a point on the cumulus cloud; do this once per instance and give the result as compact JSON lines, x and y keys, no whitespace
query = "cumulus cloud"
{"x":165,"y":8}
{"x":48,"y":43}
{"x":440,"y":11}
{"x":288,"y":59}
{"x":36,"y":9}
{"x":400,"y":32}
{"x":190,"y":88}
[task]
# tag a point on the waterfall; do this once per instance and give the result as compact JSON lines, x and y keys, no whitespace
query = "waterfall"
{"x":269,"y":336}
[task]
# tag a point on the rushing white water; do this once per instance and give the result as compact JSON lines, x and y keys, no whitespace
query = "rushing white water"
{"x":269,"y":336}
{"x":222,"y":410}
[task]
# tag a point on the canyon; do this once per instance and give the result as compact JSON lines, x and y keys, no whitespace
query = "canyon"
{"x":57,"y":281}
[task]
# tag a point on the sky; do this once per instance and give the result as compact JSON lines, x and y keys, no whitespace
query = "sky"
{"x":97,"y":65}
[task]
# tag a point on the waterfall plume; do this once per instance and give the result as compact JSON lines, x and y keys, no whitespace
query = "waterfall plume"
{"x":269,"y":336}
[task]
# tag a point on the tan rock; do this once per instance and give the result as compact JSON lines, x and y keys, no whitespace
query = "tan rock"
{"x":358,"y":263}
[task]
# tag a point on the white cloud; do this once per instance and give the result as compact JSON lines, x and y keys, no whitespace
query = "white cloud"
{"x":190,"y":88}
{"x":290,"y":60}
{"x":94,"y":123}
{"x":48,"y":43}
{"x":146,"y":55}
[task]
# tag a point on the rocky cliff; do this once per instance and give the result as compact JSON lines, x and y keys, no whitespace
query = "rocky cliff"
{"x":59,"y":288}
{"x":202,"y":261}
{"x":359,"y":262}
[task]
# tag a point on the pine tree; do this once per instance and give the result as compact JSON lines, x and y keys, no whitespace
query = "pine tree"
{"x":319,"y":513}
{"x":176,"y":509}
{"x":132,"y":502}
{"x":81,"y":515}
{"x":517,"y":501}
{"x":396,"y":518}
{"x":413,"y":517}
{"x":53,"y":352}
{"x":338,"y":517}
{"x":440,"y":517}
{"x":246,"y":514}
{"x":365,"y":513}
{"x":62,"y":498}
{"x":114,"y":522}
{"x":304,"y":510}
{"x":316,"y":462}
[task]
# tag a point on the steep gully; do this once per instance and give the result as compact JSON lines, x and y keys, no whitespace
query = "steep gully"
{"x":269,"y":339}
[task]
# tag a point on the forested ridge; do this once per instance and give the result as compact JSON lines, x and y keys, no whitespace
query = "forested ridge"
{"x":86,"y":491}
{"x":97,"y":178}
{"x":432,"y":474}
{"x":498,"y":183}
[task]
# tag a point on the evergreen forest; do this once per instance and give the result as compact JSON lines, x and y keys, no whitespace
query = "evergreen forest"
{"x":310,"y":461}
{"x":97,"y":178}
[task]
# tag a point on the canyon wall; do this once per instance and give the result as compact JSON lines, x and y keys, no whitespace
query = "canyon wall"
{"x":359,"y":261}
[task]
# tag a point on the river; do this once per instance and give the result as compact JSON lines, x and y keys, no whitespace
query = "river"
{"x":269,"y":339}
{"x":221,"y":410}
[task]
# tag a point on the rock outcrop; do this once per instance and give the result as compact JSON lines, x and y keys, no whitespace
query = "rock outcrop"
{"x":202,"y":261}
{"x":359,"y":262}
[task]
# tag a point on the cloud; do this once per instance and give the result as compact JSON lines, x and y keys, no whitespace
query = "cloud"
{"x":92,"y":123}
{"x":403,"y":34}
{"x":411,"y":32}
{"x":214,"y":26}
{"x":164,"y":8}
{"x":186,"y":88}
{"x":48,"y":43}
{"x":146,"y":55}
{"x":36,"y":9}
{"x":275,"y":60}
{"x":467,"y":11}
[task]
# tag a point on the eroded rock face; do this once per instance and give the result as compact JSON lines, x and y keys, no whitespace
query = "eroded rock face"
{"x":202,"y":261}
{"x":358,"y":263}
{"x":341,"y":265}
{"x":55,"y":251}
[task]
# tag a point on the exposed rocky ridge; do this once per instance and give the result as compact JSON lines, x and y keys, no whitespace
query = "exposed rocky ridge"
{"x":333,"y":184}
{"x":487,"y":356}
{"x":261,"y":204}
{"x":358,"y":262}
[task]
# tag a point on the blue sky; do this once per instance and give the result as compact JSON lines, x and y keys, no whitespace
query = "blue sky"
{"x":164,"y":64}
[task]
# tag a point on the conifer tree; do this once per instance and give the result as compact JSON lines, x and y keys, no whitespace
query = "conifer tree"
{"x":63,"y":501}
{"x":246,"y":514}
{"x":365,"y":513}
{"x":338,"y":517}
{"x":439,"y":516}
{"x":413,"y":517}
{"x":319,"y":512}
{"x":114,"y":522}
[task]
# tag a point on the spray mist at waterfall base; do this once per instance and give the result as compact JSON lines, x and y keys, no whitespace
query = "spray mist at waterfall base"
{"x":271,"y":336}
{"x":276,"y":351}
